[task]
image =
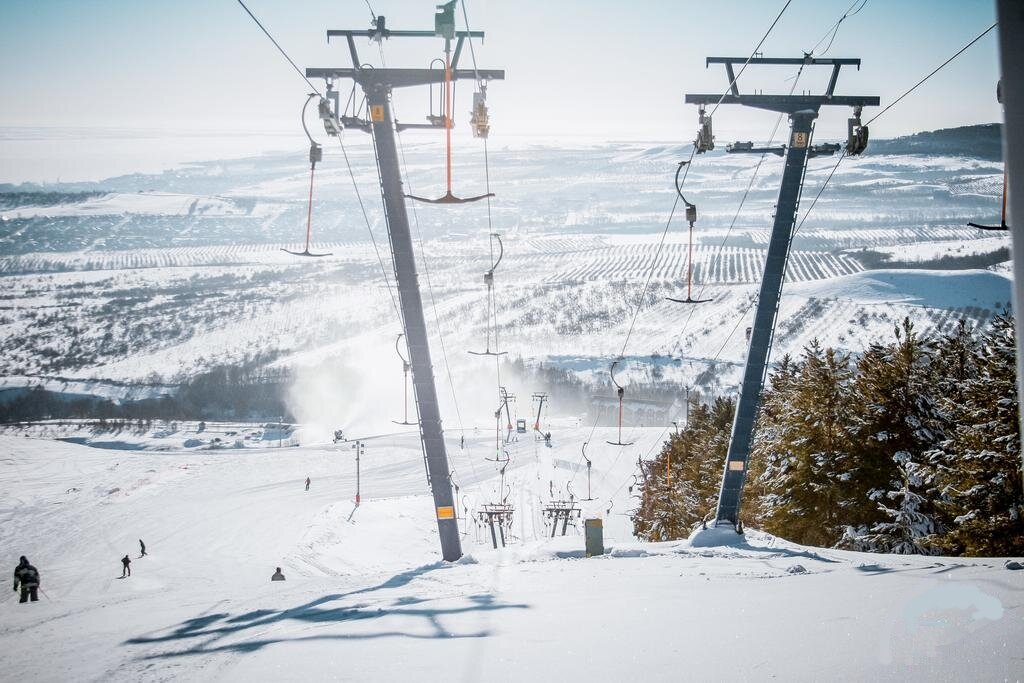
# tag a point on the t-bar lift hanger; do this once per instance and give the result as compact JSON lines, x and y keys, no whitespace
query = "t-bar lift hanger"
{"x":316,"y":154}
{"x":405,"y":369}
{"x":621,"y":391}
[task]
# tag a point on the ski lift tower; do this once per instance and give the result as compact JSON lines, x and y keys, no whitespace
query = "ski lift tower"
{"x":802,"y":110}
{"x":377,"y":84}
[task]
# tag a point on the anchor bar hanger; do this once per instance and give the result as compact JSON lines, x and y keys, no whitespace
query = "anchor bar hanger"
{"x":1002,"y":227}
{"x":621,"y":391}
{"x":406,"y":367}
{"x":316,"y":154}
{"x":491,"y":314}
{"x":589,"y":467}
{"x":444,"y":25}
{"x":691,"y":218}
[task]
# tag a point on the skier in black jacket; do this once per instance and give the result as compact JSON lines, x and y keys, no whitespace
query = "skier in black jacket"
{"x":28,"y":576}
{"x":126,"y":563}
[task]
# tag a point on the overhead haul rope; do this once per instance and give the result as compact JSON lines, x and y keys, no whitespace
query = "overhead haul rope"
{"x":844,"y":156}
{"x":280,"y":49}
{"x":355,"y":186}
{"x":934,"y":71}
{"x":740,"y":318}
{"x":487,"y":196}
{"x":675,"y":202}
{"x":834,"y":30}
{"x":840,"y":161}
{"x":369,"y":229}
{"x":675,"y":205}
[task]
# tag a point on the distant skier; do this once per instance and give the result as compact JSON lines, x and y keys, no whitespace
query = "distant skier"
{"x":278,"y":576}
{"x":142,"y":546}
{"x":126,"y":563}
{"x":307,"y":483}
{"x":462,"y":442}
{"x":28,"y":576}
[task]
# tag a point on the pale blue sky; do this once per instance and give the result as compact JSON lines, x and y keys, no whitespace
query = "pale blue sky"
{"x":617,"y":70}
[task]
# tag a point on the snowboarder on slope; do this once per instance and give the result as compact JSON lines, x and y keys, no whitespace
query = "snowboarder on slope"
{"x":307,"y":483}
{"x":142,"y":546}
{"x":126,"y":563}
{"x":278,"y":576}
{"x":28,"y":576}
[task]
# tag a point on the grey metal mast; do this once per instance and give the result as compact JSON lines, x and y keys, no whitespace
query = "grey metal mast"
{"x":1011,"y":61}
{"x":377,"y":84}
{"x":802,"y":110}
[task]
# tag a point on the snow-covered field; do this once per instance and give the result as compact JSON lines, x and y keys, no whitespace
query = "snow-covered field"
{"x":366,"y":597}
{"x":151,"y":277}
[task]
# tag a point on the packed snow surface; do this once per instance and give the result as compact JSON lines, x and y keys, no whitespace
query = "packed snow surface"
{"x":368,"y":599}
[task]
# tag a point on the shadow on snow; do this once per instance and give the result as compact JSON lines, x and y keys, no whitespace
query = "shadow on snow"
{"x":200,"y":634}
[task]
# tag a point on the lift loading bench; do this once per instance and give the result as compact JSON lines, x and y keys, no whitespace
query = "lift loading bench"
{"x":377,"y":84}
{"x":802,"y":111}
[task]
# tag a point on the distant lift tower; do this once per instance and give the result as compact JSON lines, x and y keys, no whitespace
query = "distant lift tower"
{"x":377,"y":84}
{"x":802,"y":110}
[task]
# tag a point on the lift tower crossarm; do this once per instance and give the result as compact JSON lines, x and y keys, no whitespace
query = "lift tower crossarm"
{"x":787,"y":104}
{"x":401,"y":78}
{"x":835,"y":62}
{"x":377,"y":85}
{"x":802,"y":110}
{"x":404,"y":77}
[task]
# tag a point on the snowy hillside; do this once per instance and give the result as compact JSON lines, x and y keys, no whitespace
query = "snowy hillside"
{"x":156,"y":278}
{"x":366,"y":597}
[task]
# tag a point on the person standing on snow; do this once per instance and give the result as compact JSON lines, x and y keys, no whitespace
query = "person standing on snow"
{"x":142,"y":546}
{"x":28,"y":576}
{"x":307,"y":483}
{"x":278,"y":576}
{"x":126,"y":563}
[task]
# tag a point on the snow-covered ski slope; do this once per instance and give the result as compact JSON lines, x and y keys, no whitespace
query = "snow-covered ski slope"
{"x":367,"y":599}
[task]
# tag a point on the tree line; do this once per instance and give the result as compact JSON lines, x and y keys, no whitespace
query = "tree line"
{"x":912,"y":447}
{"x":246,"y":391}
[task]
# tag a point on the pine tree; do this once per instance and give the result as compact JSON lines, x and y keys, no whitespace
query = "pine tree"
{"x":907,"y":531}
{"x":954,"y":366}
{"x":804,"y":442}
{"x":680,"y":485}
{"x":980,"y":475}
{"x":895,"y":414}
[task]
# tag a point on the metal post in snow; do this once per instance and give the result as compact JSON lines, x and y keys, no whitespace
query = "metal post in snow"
{"x":358,"y":446}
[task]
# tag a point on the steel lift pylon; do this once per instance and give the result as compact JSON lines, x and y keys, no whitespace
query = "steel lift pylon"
{"x":802,"y":111}
{"x":377,"y":84}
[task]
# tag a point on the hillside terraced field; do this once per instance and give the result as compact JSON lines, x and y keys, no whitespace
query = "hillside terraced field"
{"x":165,"y":275}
